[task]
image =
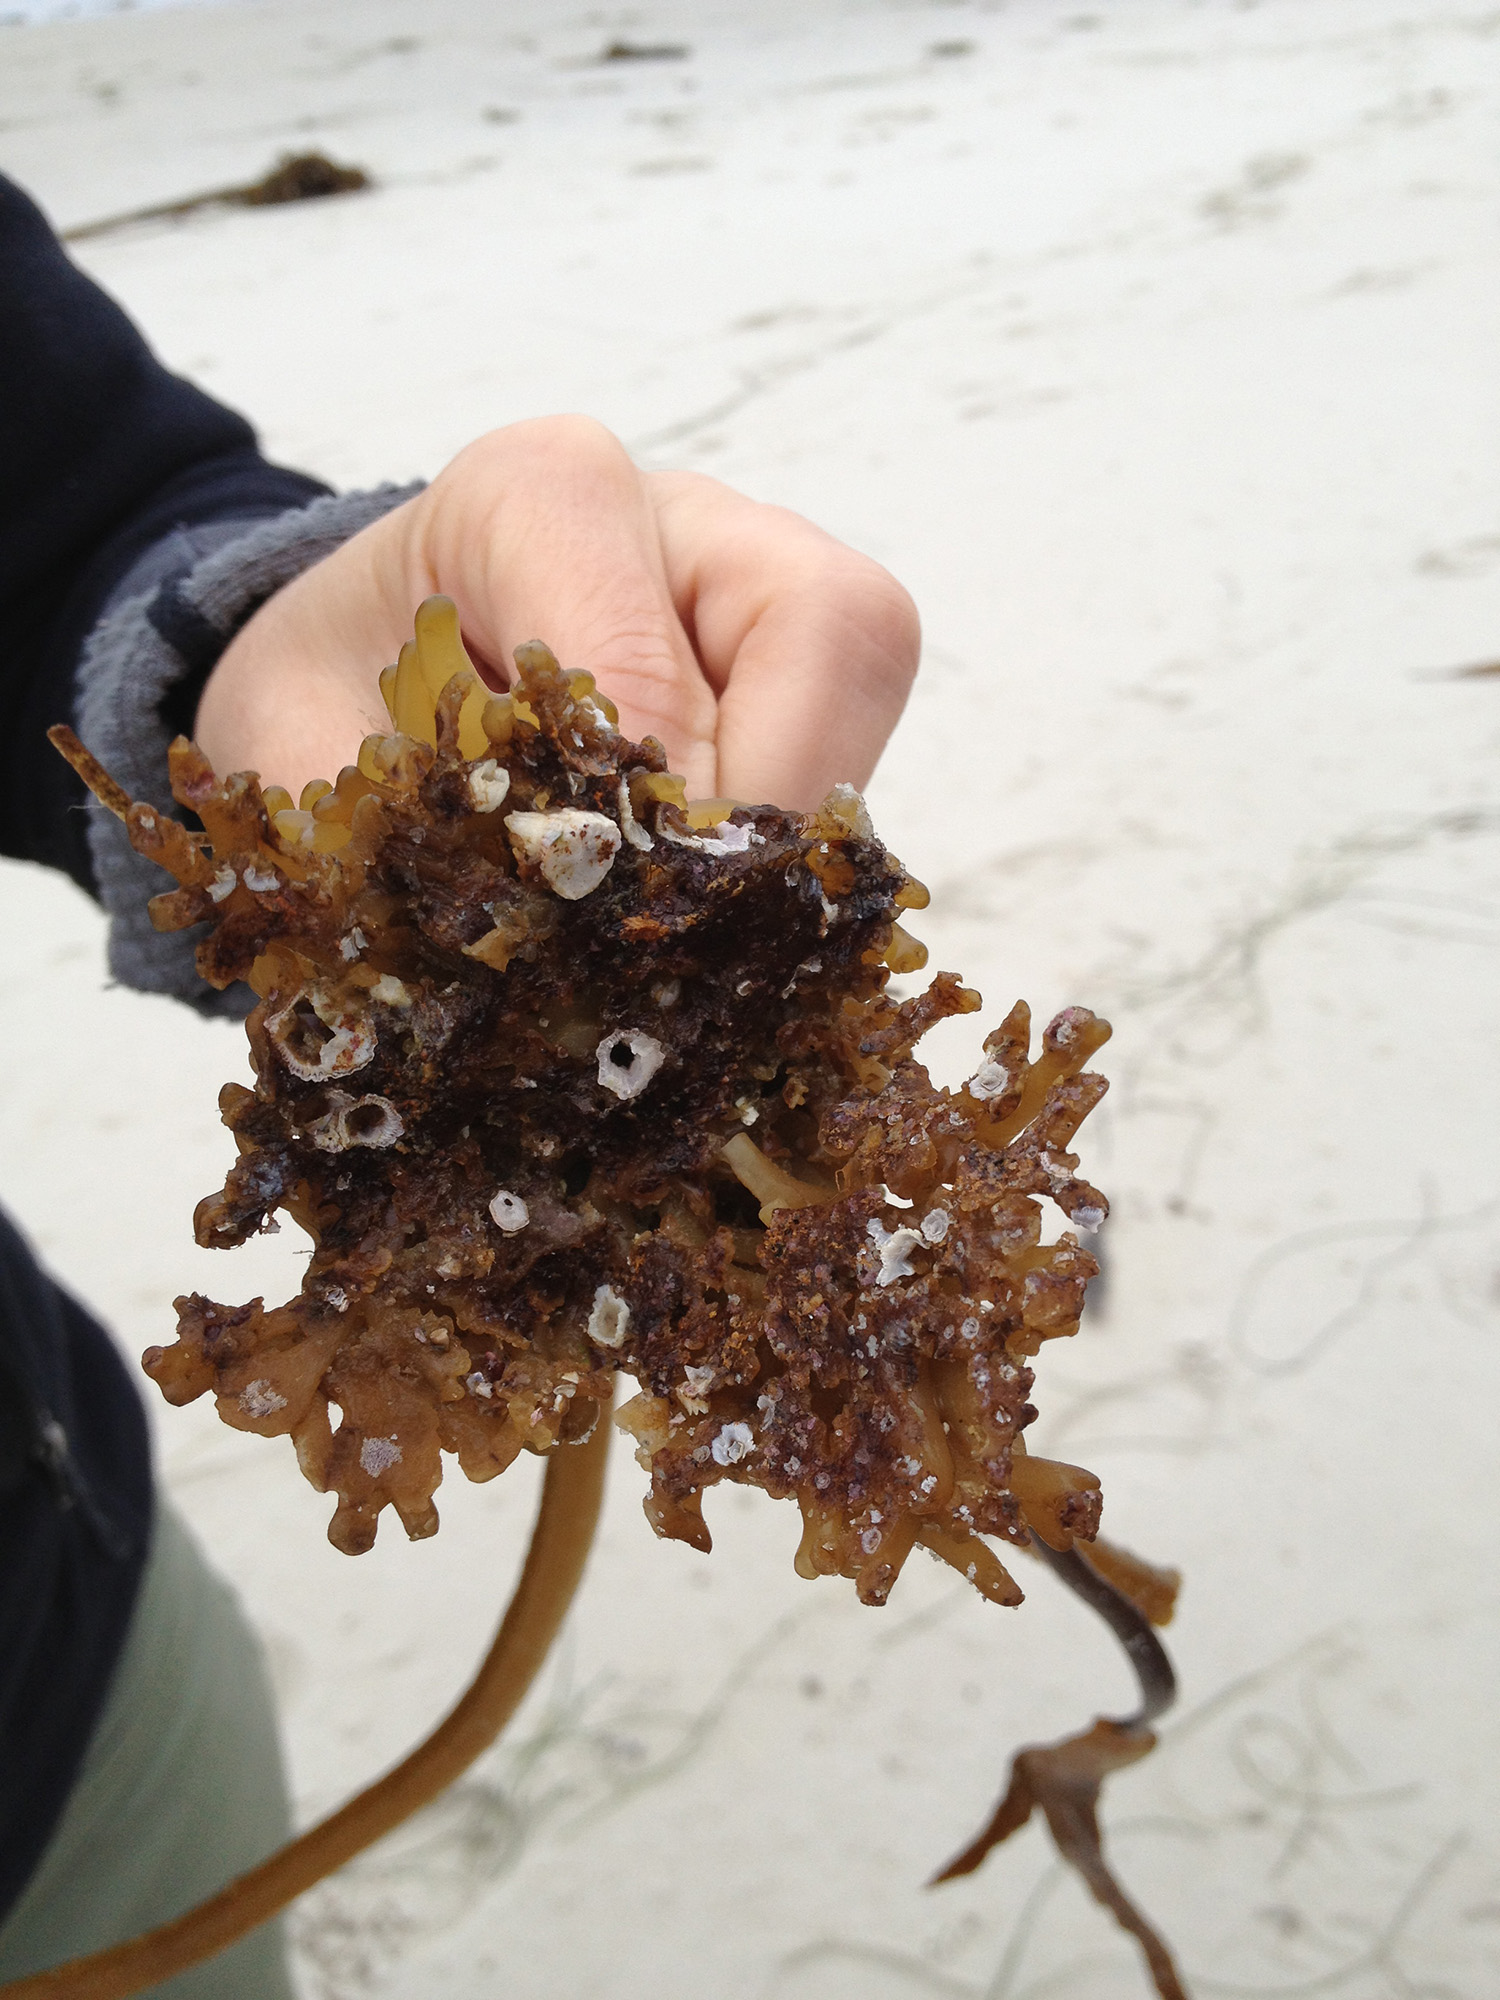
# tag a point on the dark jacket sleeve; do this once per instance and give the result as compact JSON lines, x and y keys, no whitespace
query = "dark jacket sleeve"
{"x":106,"y":459}
{"x":75,"y":1529}
{"x":103,"y":453}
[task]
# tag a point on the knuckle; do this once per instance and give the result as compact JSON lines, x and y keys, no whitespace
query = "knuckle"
{"x":863,"y":589}
{"x":894,"y":617}
{"x":567,"y":448}
{"x":879,"y":614}
{"x":573,"y":439}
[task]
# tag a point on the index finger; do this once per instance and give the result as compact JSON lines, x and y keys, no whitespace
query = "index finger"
{"x":544,"y":530}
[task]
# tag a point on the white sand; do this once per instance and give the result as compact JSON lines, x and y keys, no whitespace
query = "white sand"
{"x":1154,"y":348}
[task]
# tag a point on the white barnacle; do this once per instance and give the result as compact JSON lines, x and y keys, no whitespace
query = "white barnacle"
{"x":378,"y":1455}
{"x":628,"y":1059}
{"x":489,"y":786}
{"x":610,"y":1320}
{"x":849,"y":805}
{"x":294,"y":828}
{"x":508,"y":1212}
{"x":991,"y":1079}
{"x":1087,"y":1216}
{"x":869,"y":1541}
{"x":734,"y":1442}
{"x":1064,"y":1027}
{"x":356,"y":1121}
{"x":725,"y":838}
{"x":373,"y":1121}
{"x":895,"y":1247}
{"x":935,"y":1224}
{"x":574,"y":850}
{"x":391,"y":991}
{"x":319,"y":1036}
{"x":693,"y":1394}
{"x":630,"y":826}
{"x":261,"y":880}
{"x":259,"y":1399}
{"x":224,"y":880}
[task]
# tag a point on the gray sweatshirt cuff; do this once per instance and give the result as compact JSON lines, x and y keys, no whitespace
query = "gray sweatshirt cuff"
{"x":171,"y":617}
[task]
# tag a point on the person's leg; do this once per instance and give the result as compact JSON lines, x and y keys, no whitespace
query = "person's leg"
{"x":182,"y":1789}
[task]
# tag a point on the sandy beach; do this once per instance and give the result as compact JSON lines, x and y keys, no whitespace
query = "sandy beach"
{"x":1153,"y":347}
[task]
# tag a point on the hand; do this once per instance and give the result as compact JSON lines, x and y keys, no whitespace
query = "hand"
{"x":770,"y":660}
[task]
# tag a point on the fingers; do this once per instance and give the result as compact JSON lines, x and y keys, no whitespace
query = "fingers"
{"x":811,"y":648}
{"x":673,"y":590}
{"x":771,"y":661}
{"x":546,"y":530}
{"x":543,"y":530}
